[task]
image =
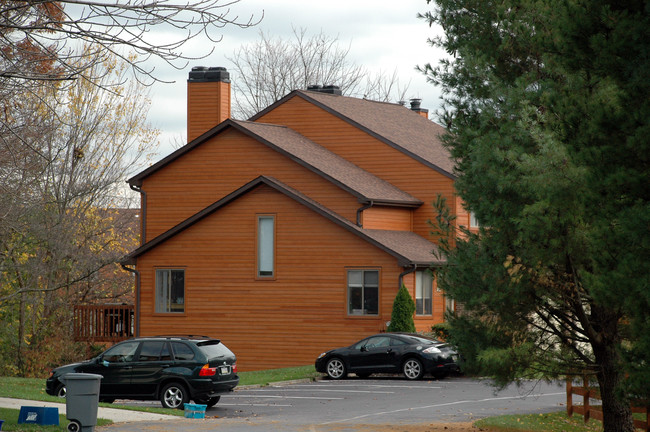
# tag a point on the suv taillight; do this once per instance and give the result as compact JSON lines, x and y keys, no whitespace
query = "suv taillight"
{"x":206,"y":370}
{"x":234,"y":368}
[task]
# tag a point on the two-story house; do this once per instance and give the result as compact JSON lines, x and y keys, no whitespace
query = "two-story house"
{"x":290,"y":233}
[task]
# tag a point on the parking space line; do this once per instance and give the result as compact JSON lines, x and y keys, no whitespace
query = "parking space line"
{"x":283,"y":397}
{"x":436,"y":406}
{"x":374,"y":386}
{"x":323,"y":390}
{"x":254,"y":405}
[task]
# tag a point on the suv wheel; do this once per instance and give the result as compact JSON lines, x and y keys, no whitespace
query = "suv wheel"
{"x":174,"y":396}
{"x":60,"y":390}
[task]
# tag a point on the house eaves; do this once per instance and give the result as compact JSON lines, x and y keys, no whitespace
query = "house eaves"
{"x":366,"y":187}
{"x":408,"y":248}
{"x":393,"y":124}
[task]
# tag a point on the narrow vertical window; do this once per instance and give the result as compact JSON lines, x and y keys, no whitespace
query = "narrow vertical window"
{"x":265,"y":246}
{"x":170,"y":291}
{"x":473,"y":222}
{"x":450,"y":304}
{"x":423,"y":292}
{"x":363,"y":292}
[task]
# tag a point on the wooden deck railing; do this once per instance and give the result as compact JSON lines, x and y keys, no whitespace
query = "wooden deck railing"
{"x":103,"y":323}
{"x":589,"y":411}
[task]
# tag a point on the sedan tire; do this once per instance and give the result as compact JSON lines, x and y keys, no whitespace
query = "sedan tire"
{"x":412,"y":369}
{"x":210,"y":402}
{"x":174,"y":396}
{"x":336,"y":368}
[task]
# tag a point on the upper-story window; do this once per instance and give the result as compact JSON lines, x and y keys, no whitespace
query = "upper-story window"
{"x":170,"y":290}
{"x":423,"y":292}
{"x":363,"y":292}
{"x":265,"y":246}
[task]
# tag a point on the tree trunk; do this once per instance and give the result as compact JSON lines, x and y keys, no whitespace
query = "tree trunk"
{"x":617,"y":414}
{"x":20,"y":352}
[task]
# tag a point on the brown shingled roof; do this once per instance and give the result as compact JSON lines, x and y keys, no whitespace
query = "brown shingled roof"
{"x":407,"y":247}
{"x":392,"y":123}
{"x":367,"y":187}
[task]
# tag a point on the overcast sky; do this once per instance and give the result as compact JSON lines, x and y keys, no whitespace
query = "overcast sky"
{"x":383,"y":36}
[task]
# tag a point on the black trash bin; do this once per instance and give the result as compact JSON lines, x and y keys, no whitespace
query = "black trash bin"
{"x":81,"y":400}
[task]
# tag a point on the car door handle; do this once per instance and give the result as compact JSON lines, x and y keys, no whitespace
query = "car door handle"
{"x":389,"y":350}
{"x":165,"y":366}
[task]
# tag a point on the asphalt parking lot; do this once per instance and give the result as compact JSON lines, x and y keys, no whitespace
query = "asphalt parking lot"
{"x":356,"y":404}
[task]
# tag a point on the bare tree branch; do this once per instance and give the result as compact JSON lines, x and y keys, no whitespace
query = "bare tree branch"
{"x":39,"y":39}
{"x":270,"y":68}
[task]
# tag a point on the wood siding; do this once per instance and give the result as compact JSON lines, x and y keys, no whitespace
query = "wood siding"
{"x":369,"y":153}
{"x":208,"y":104}
{"x":388,"y":218}
{"x":288,"y":320}
{"x":220,"y":166}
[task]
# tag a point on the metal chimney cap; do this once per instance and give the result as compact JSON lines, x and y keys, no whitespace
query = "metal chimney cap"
{"x":209,"y":74}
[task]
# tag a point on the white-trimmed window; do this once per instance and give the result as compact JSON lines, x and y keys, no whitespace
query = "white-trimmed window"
{"x":450,"y":304}
{"x":423,"y":292}
{"x":170,"y":291}
{"x":363,"y":292}
{"x":265,"y":246}
{"x":473,"y":222}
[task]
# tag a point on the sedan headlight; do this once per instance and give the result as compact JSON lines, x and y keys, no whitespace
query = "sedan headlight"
{"x":432,"y":350}
{"x":322,"y":355}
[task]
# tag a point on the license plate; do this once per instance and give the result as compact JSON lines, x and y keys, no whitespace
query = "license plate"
{"x":225,"y":370}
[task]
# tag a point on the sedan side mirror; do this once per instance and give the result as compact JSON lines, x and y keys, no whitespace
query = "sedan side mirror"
{"x":364,"y":348}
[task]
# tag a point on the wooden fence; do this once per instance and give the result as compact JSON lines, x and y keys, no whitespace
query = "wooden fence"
{"x":103,"y":323}
{"x":595,"y":411}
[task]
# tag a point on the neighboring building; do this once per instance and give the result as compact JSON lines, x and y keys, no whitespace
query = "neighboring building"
{"x":290,"y":233}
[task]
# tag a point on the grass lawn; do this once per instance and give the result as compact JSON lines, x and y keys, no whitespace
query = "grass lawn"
{"x":552,"y":422}
{"x":10,"y":417}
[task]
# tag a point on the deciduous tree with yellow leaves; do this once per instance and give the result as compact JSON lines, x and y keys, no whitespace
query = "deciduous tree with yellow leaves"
{"x":65,"y":222}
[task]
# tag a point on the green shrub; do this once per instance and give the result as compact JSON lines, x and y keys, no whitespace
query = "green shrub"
{"x":401,"y":319}
{"x":441,"y":331}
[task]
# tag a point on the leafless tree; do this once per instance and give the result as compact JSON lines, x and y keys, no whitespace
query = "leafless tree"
{"x":270,"y":68}
{"x":39,"y":38}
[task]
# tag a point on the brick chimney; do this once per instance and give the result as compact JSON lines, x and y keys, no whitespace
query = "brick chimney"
{"x":415,"y":106}
{"x":208,"y":99}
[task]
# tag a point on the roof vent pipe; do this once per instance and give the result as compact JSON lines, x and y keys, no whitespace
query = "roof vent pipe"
{"x":415,"y":106}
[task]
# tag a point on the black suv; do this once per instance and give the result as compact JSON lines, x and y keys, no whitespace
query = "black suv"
{"x":172,"y":369}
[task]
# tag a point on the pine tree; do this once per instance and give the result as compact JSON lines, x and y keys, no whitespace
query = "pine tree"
{"x":547,"y":105}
